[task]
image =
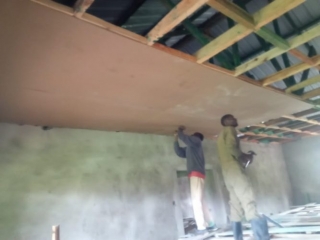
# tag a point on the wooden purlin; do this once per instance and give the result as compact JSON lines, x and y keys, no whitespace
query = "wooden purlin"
{"x":265,"y":136}
{"x":285,"y":129}
{"x":306,"y":112}
{"x":273,"y":38}
{"x":233,"y":11}
{"x":299,"y":55}
{"x":274,"y":121}
{"x":287,"y":72}
{"x":303,"y":84}
{"x":311,"y":94}
{"x":240,"y":16}
{"x":275,"y":52}
{"x":298,"y":131}
{"x":301,"y":119}
{"x":222,"y":42}
{"x":261,"y":18}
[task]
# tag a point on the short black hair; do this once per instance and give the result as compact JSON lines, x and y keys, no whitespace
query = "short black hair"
{"x":224,"y":118}
{"x":199,"y":135}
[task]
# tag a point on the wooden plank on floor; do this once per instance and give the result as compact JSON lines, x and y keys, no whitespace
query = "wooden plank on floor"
{"x":262,"y":17}
{"x":279,"y":231}
{"x":303,"y":84}
{"x":274,"y":236}
{"x":291,"y":211}
{"x":296,"y":236}
{"x":182,"y":10}
{"x":283,"y":74}
{"x":56,"y":232}
{"x":275,"y":52}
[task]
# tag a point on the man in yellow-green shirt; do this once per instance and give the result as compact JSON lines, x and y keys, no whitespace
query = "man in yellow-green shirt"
{"x":242,"y":200}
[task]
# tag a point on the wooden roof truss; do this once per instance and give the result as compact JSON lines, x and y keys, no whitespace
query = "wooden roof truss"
{"x":286,"y":128}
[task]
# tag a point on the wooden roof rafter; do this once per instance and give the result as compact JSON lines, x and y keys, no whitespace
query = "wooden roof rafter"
{"x":240,"y":31}
{"x":302,"y":119}
{"x":275,"y":52}
{"x":303,"y":84}
{"x":290,"y":71}
{"x":285,"y":128}
{"x":260,"y":133}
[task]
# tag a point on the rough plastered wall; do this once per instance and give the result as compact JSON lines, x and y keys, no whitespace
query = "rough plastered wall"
{"x":269,"y":177}
{"x":106,"y":185}
{"x":303,"y":161}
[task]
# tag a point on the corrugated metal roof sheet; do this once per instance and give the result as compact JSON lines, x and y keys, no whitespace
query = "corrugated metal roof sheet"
{"x":110,"y":10}
{"x":146,"y":17}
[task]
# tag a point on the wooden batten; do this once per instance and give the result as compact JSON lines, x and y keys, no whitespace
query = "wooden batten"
{"x":275,"y":52}
{"x":283,"y":74}
{"x":239,"y":31}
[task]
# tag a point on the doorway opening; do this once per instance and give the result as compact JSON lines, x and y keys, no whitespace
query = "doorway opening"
{"x":189,"y":223}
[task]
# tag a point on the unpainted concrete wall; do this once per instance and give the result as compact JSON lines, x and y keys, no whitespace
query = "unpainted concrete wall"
{"x":303,"y":161}
{"x":269,"y":177}
{"x":106,"y":185}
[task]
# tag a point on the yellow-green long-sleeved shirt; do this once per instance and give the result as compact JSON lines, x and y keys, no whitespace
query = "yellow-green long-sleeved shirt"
{"x":228,"y":148}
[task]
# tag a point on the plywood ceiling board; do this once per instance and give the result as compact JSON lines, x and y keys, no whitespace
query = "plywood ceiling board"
{"x":38,"y":108}
{"x":69,"y":61}
{"x":222,"y":95}
{"x":57,"y":70}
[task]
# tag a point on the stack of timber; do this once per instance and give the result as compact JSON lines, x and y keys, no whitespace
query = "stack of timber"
{"x":301,"y":222}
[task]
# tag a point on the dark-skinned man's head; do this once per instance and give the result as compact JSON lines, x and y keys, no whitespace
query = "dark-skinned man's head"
{"x":229,"y":120}
{"x":199,"y":135}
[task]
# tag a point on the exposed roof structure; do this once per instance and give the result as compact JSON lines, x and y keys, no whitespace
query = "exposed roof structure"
{"x":68,"y":73}
{"x":274,"y":42}
{"x":270,"y":44}
{"x":287,"y":128}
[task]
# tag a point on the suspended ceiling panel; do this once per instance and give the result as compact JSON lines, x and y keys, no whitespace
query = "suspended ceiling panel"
{"x":62,"y":72}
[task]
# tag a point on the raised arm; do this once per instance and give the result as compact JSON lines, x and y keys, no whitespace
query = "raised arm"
{"x":188,"y":140}
{"x":181,"y":152}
